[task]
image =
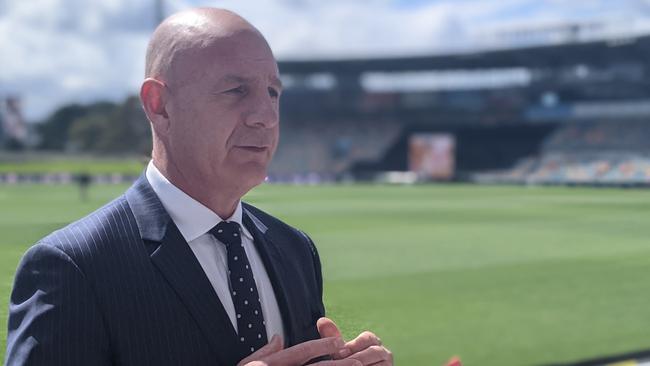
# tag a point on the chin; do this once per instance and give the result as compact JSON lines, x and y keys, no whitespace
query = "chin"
{"x":253,"y":174}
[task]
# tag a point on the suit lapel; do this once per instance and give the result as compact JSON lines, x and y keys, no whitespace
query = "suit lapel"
{"x":178,"y":265}
{"x":274,"y":263}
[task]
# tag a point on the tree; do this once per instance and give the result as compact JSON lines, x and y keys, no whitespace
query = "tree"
{"x":120,"y":129}
{"x":54,"y":131}
{"x":85,"y":133}
{"x":129,"y":129}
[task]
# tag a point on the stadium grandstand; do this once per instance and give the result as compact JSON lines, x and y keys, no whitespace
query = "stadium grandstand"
{"x":576,"y":112}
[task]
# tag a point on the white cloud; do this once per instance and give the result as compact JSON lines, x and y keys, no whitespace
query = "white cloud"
{"x":63,"y":51}
{"x":60,"y":51}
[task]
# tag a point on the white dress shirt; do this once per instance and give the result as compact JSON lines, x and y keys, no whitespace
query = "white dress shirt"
{"x":194,"y":220}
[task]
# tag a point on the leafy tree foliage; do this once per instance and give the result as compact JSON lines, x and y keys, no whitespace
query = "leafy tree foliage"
{"x":98,"y":128}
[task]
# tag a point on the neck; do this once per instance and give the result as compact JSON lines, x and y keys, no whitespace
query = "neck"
{"x":219,"y":199}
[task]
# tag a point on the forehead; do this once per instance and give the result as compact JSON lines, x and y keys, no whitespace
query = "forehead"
{"x":244,"y":54}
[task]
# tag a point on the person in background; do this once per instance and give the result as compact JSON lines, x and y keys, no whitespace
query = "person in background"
{"x":83,"y":180}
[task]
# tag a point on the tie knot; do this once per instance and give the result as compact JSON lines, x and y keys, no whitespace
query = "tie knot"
{"x":227,"y":232}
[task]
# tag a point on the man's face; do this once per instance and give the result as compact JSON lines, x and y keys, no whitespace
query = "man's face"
{"x":224,"y":112}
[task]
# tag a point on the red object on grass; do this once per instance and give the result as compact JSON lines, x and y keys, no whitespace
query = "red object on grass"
{"x":455,"y":361}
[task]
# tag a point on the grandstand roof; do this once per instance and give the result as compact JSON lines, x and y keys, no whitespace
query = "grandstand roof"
{"x":597,"y":53}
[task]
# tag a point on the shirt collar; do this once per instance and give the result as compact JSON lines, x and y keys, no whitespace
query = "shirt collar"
{"x":191,"y":217}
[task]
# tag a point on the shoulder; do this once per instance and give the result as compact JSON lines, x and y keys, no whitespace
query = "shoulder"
{"x":93,"y":234}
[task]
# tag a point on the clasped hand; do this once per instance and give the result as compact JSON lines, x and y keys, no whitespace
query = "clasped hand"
{"x":364,"y":350}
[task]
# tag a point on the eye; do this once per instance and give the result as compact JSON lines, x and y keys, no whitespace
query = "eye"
{"x":238,"y":90}
{"x":274,"y":93}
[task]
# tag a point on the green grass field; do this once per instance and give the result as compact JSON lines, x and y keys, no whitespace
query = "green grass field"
{"x":495,"y":275}
{"x":44,"y":164}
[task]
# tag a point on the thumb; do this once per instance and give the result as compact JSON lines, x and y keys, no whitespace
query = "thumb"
{"x":274,"y":346}
{"x":327,"y":328}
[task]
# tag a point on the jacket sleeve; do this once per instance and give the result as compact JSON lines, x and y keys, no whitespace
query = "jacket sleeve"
{"x":53,"y":314}
{"x":319,"y":278}
{"x":320,"y":308}
{"x":317,"y":273}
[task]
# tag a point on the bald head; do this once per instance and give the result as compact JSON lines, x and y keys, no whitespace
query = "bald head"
{"x":190,"y":31}
{"x":211,"y":93}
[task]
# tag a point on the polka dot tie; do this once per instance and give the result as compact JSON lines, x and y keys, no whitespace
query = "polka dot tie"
{"x":251,"y":327}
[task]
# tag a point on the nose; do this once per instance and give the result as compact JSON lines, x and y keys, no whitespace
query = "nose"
{"x":263,"y":112}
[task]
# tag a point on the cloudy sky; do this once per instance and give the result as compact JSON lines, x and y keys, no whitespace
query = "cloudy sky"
{"x":60,"y":51}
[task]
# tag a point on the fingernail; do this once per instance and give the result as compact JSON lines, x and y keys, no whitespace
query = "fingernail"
{"x":357,"y":363}
{"x":345,"y":352}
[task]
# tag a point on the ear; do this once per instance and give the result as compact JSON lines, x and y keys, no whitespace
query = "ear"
{"x":154,"y":97}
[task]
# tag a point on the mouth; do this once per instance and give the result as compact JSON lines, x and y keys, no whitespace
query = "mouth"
{"x":256,"y":149}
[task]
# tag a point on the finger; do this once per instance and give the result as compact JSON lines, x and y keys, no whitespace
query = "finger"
{"x":327,"y":328}
{"x":363,"y":341}
{"x":346,"y":362}
{"x":382,"y":363}
{"x":299,"y":354}
{"x":373,"y":355}
{"x":270,"y":348}
{"x":385,"y":362}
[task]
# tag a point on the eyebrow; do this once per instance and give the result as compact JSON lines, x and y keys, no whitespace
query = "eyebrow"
{"x":274,"y":80}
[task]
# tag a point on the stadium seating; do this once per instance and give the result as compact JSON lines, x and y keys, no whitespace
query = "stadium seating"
{"x":324,"y":150}
{"x":590,"y":152}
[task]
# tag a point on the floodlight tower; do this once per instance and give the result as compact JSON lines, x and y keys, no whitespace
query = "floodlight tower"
{"x":159,"y":11}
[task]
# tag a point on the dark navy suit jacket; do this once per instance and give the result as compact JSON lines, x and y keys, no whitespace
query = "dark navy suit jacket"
{"x":122,"y":287}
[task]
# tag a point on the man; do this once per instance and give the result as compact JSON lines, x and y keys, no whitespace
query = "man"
{"x":178,"y":271}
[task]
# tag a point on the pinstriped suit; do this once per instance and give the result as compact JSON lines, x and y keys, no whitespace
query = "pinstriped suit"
{"x":122,"y":287}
